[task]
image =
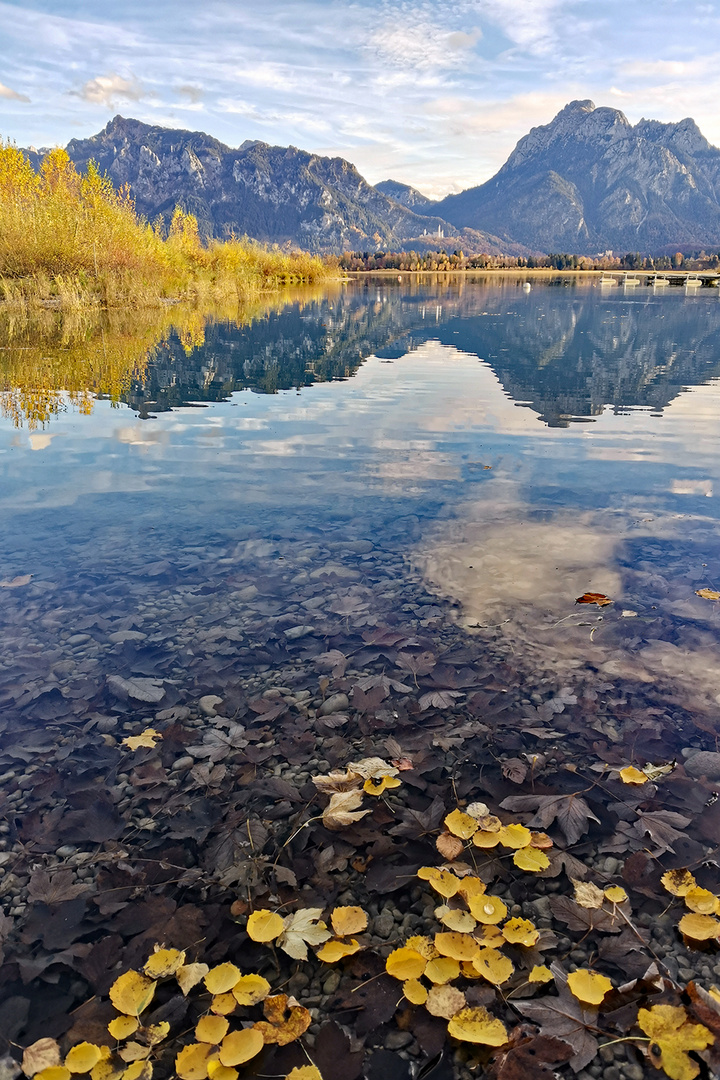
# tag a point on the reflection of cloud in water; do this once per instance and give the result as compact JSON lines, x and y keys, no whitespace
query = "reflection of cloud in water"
{"x":517,"y":577}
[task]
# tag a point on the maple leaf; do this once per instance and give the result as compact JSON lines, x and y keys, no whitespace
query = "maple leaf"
{"x":565,"y":1018}
{"x":576,"y":917}
{"x":419,"y":823}
{"x":303,"y":928}
{"x":55,"y":889}
{"x":416,"y":663}
{"x":572,"y":813}
{"x":343,"y":810}
{"x":148,"y":738}
{"x":660,"y":826}
{"x":673,"y":1035}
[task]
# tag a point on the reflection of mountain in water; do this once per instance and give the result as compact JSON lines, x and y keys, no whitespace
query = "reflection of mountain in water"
{"x":565,"y":353}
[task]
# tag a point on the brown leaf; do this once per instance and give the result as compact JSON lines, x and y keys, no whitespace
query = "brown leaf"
{"x":594,"y":598}
{"x":55,"y":889}
{"x":342,"y":810}
{"x":567,"y":1019}
{"x":571,"y":812}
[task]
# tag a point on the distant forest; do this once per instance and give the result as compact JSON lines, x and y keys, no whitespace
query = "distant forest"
{"x":442,"y":260}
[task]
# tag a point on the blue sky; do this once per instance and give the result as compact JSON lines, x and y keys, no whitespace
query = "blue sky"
{"x":431,"y":93}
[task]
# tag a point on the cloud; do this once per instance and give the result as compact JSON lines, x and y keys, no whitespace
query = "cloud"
{"x":12,"y":95}
{"x":109,"y":89}
{"x":421,"y":45}
{"x":193,"y":94}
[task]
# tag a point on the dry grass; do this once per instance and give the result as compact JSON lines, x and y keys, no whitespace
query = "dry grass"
{"x":71,"y":241}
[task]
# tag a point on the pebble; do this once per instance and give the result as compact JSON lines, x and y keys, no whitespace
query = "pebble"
{"x":633,"y":1071}
{"x":704,"y":763}
{"x":331,"y":983}
{"x":207,"y":704}
{"x":396,"y":1040}
{"x":295,"y":632}
{"x":334,"y":704}
{"x":384,"y":924}
{"x":182,"y":763}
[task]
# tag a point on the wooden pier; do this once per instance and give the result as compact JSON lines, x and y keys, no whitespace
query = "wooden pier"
{"x":662,"y":278}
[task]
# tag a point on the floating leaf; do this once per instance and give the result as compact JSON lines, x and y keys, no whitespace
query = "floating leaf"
{"x":211,"y":1029}
{"x":699,"y":927}
{"x":404,"y":963}
{"x":192,"y":1061}
{"x":477,"y":810}
{"x":587,"y":895}
{"x":123,"y":1026}
{"x":515,"y":836}
{"x":520,"y":932}
{"x":442,"y":969}
{"x":134,"y":1051}
{"x":190,"y":975}
{"x":442,"y":881}
{"x":348,"y":920}
{"x":139,"y":1070}
{"x":540,"y":974}
{"x":222,"y":978}
{"x":218,"y":1071}
{"x":304,"y":1072}
{"x":678,"y":882}
{"x":423,"y":945}
{"x":670,"y":1030}
{"x":108,"y":1068}
{"x":381,"y":784}
{"x":83,"y":1057}
{"x":588,"y":986}
{"x":531,"y":859}
{"x":303,"y":928}
{"x":265,"y":925}
{"x":132,"y":992}
{"x":449,"y":846}
{"x":156,"y":1033}
{"x":342,"y":810}
{"x":702,"y":901}
{"x":54,"y":1072}
{"x":616,"y":894}
{"x":457,"y":946}
{"x":332,"y":951}
{"x":249,"y":989}
{"x":415,"y":992}
{"x":487,"y":909}
{"x":476,"y":1025}
{"x":631,"y":775}
{"x":471,"y":886}
{"x":708,"y":594}
{"x":240,"y":1046}
{"x":461,"y":825}
{"x":164,"y":962}
{"x":43,"y":1054}
{"x":148,"y":738}
{"x":594,"y":598}
{"x":493,"y":966}
{"x":279,"y":1028}
{"x":445,"y":1001}
{"x":224,"y":1004}
{"x":455,"y":919}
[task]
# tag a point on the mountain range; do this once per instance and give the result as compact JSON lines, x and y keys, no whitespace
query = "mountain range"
{"x":587,"y":182}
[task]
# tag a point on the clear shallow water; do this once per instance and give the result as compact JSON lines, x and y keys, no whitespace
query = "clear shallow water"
{"x":469,"y":454}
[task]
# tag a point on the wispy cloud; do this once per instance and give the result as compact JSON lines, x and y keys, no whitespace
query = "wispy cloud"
{"x":12,"y":95}
{"x":109,"y":90}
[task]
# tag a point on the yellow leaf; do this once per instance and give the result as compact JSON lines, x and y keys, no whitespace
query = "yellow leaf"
{"x":476,"y":1025}
{"x":445,"y":1001}
{"x":211,"y":1029}
{"x":487,"y":909}
{"x":702,"y":901}
{"x":54,"y":1072}
{"x":265,"y":925}
{"x":461,"y":825}
{"x":540,"y":974}
{"x":588,"y":986}
{"x":40,"y":1055}
{"x":132,"y":992}
{"x":678,"y":882}
{"x":457,"y":946}
{"x":249,"y":989}
{"x":520,"y":932}
{"x":217,"y":1071}
{"x":531,"y":859}
{"x":671,"y":1032}
{"x":222,"y":978}
{"x":139,"y":1070}
{"x":631,"y":775}
{"x":483,"y":838}
{"x":192,"y":1061}
{"x":471,"y":886}
{"x":415,"y":992}
{"x":490,"y":935}
{"x":164,"y":962}
{"x":442,"y":969}
{"x":422,"y":944}
{"x":587,"y":895}
{"x":304,"y":1072}
{"x":442,"y":881}
{"x":240,"y":1046}
{"x":455,"y":919}
{"x":332,"y":951}
{"x":616,"y":894}
{"x":110,"y":1068}
{"x":279,"y":1028}
{"x":223,"y":1004}
{"x":122,"y":1026}
{"x":708,"y":594}
{"x":156,"y":1033}
{"x":134,"y":1051}
{"x":148,"y":737}
{"x":381,"y":784}
{"x":515,"y":836}
{"x":405,"y":964}
{"x":190,"y":975}
{"x":699,"y":927}
{"x":348,"y":920}
{"x":82,"y":1058}
{"x":493,"y":966}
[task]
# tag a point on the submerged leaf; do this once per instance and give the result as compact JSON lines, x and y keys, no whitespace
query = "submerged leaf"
{"x":148,"y":738}
{"x":631,"y":775}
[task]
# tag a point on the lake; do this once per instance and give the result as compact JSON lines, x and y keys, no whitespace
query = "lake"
{"x":356,"y":518}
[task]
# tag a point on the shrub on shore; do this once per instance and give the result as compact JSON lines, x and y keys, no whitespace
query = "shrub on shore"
{"x":70,"y":239}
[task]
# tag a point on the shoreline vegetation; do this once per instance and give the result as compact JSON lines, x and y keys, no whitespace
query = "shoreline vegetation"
{"x":70,"y":240}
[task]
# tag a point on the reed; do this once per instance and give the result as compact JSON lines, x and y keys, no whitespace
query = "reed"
{"x":70,"y":240}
